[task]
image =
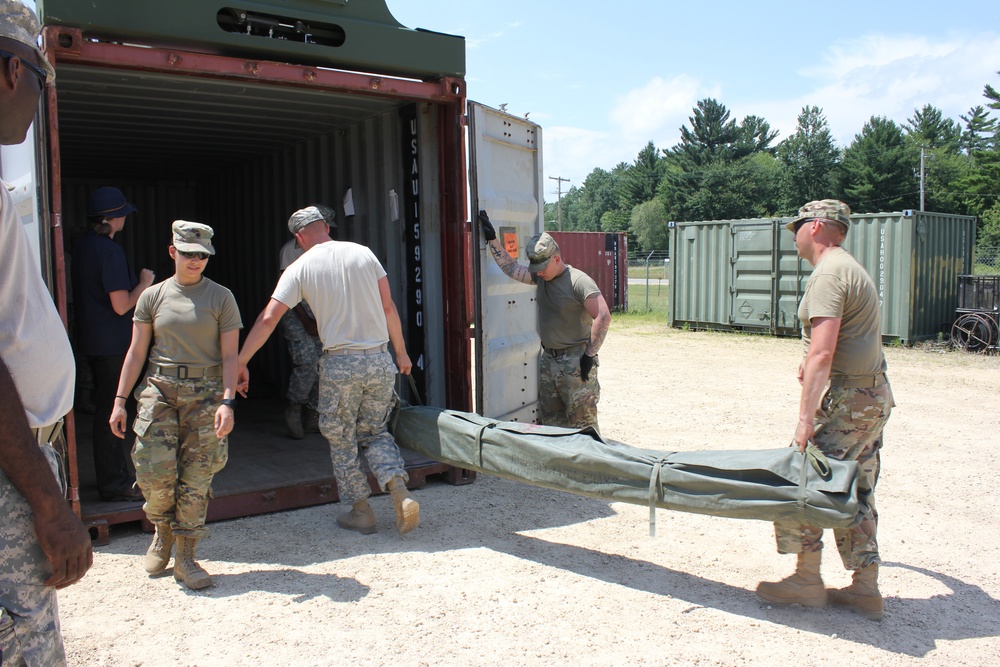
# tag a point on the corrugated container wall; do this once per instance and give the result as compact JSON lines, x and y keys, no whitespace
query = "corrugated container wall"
{"x":745,"y":274}
{"x":603,"y":257}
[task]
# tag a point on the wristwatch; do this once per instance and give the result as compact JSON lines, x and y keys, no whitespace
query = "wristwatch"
{"x":231,"y":402}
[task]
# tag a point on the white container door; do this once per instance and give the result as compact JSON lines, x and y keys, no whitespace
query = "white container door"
{"x":505,"y":179}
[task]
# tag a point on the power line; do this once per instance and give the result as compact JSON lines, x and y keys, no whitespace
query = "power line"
{"x":560,"y":181}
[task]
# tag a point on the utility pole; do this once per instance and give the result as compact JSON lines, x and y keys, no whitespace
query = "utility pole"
{"x":921,"y":178}
{"x":560,"y":180}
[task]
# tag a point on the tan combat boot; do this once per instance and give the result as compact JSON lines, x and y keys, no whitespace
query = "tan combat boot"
{"x":361,"y":518}
{"x":293,"y":420}
{"x":158,"y":554}
{"x":407,"y":509}
{"x":805,"y":587}
{"x":186,"y":569}
{"x":862,"y":595}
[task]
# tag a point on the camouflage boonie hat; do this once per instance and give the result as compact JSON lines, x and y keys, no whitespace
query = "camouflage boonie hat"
{"x":307,"y":216}
{"x":19,"y":23}
{"x":825,"y":209}
{"x":193,"y":237}
{"x":539,"y":251}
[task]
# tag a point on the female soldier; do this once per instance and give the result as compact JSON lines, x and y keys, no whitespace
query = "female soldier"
{"x":186,"y":399}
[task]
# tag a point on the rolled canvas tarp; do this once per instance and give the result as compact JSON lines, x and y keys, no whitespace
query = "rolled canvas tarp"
{"x":770,"y":484}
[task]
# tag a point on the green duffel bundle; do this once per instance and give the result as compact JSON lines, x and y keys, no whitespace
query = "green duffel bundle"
{"x":769,"y":484}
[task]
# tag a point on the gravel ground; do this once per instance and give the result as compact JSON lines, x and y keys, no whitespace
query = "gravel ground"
{"x":505,"y":573}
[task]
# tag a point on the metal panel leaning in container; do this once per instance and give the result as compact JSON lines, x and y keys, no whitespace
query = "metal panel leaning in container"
{"x":573,"y":321}
{"x":844,"y":405}
{"x":190,"y":327}
{"x":357,"y":373}
{"x":43,"y":545}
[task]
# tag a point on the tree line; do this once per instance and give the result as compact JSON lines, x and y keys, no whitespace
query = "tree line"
{"x":722,"y":169}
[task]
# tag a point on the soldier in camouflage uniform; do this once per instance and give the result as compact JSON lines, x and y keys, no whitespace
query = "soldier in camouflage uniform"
{"x":186,"y":400}
{"x":573,"y":321}
{"x":356,"y":318}
{"x":43,"y":545}
{"x":845,"y":404}
{"x":304,"y":347}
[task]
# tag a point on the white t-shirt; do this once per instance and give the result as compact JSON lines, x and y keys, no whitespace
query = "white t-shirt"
{"x":33,"y":341}
{"x":339,"y":279}
{"x":290,"y":252}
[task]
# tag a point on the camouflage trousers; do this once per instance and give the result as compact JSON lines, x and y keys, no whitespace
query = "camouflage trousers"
{"x":176,"y":452}
{"x":564,"y":399}
{"x":849,"y":425}
{"x":305,"y":351}
{"x":355,"y":402}
{"x":29,"y":613}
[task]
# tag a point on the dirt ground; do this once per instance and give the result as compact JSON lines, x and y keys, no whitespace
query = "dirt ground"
{"x":509,"y":574}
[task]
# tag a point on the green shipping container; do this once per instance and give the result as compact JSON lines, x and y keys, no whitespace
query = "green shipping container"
{"x":745,"y":274}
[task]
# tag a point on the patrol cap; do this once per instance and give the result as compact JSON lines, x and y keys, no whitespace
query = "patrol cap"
{"x":825,"y":209}
{"x":193,"y":237}
{"x":310,"y":214}
{"x":110,"y":203}
{"x":19,"y":23}
{"x":539,"y":251}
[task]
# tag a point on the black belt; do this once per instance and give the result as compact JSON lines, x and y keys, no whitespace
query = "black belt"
{"x":384,"y":347}
{"x":563,"y":351}
{"x":867,"y":381}
{"x":186,"y":372}
{"x":46,"y":434}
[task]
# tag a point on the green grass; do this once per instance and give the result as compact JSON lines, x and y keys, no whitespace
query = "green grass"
{"x":657,"y":302}
{"x":656,"y":272}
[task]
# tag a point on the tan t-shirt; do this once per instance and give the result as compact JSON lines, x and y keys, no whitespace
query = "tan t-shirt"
{"x":187,"y":321}
{"x":840,"y":287}
{"x":563,"y":321}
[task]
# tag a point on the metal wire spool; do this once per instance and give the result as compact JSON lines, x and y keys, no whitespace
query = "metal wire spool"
{"x":974,"y":332}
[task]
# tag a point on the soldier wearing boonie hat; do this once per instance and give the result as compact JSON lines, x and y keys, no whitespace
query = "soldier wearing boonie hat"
{"x":189,"y":327}
{"x":844,"y":405}
{"x":573,"y":321}
{"x":43,"y":544}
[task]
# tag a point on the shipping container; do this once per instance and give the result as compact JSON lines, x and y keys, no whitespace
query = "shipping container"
{"x":603,"y":257}
{"x":746,"y":274}
{"x":236,"y":118}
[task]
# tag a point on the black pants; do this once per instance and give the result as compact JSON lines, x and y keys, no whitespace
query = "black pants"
{"x":110,"y":451}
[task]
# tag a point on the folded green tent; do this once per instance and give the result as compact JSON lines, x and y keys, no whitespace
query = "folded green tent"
{"x":770,"y":484}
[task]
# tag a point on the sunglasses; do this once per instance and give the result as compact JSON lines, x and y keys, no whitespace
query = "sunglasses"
{"x":193,"y":255}
{"x":42,"y":75}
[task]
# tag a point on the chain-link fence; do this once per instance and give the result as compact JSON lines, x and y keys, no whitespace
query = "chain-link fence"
{"x":987,"y":261}
{"x":648,"y":281}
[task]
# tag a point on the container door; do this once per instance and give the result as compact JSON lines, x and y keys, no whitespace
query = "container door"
{"x":505,"y":179}
{"x":752,"y":287}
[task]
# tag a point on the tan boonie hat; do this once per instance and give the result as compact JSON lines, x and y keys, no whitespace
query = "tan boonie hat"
{"x":824,"y":209}
{"x":307,"y":216}
{"x":193,"y":237}
{"x":19,"y":23}
{"x":539,"y":251}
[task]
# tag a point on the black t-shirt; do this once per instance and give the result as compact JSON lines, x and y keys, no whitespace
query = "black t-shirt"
{"x":99,"y":268}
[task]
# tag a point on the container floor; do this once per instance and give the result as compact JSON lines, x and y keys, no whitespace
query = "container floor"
{"x":267,"y":472}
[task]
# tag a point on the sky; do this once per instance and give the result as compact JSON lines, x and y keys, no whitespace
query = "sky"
{"x":603,"y":79}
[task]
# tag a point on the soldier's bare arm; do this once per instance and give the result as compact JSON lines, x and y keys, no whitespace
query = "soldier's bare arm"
{"x":395,"y":327}
{"x":508,"y":265}
{"x":815,"y":374}
{"x":63,"y":538}
{"x":224,"y":417}
{"x":259,"y":333}
{"x":598,"y":309}
{"x":142,"y":336}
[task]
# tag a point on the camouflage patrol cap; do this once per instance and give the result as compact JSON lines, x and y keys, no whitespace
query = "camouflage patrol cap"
{"x":307,"y":216}
{"x":19,"y":23}
{"x":825,"y":209}
{"x":193,"y":237}
{"x":539,"y":250}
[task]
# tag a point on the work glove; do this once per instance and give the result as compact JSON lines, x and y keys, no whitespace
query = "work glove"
{"x":489,"y":233}
{"x":586,"y":363}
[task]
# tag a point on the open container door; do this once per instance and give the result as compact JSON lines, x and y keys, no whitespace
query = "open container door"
{"x":505,"y":167}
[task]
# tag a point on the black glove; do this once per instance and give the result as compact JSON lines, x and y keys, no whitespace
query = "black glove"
{"x":586,"y":363}
{"x":488,"y":232}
